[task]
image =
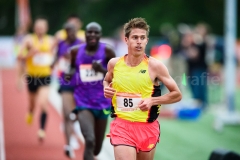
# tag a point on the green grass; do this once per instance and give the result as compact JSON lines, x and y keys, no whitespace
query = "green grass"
{"x":195,"y":140}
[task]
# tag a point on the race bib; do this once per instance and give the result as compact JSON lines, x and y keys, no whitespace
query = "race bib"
{"x":42,"y":59}
{"x":64,"y":65}
{"x":87,"y":74}
{"x":128,"y":102}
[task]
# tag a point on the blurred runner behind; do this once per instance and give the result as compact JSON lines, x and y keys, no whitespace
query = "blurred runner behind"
{"x":92,"y":108}
{"x":66,"y":88}
{"x":38,"y":61}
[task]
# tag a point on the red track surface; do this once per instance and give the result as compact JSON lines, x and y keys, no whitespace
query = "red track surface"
{"x":21,"y":142}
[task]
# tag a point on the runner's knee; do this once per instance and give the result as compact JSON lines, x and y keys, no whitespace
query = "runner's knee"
{"x":66,"y":115}
{"x":89,"y":142}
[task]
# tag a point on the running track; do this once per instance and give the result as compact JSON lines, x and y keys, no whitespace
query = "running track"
{"x":20,"y":140}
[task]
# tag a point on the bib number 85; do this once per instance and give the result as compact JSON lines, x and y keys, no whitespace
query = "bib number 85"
{"x":128,"y":102}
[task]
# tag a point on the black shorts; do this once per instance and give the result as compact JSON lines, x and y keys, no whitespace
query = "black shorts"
{"x":66,"y":89}
{"x":34,"y":83}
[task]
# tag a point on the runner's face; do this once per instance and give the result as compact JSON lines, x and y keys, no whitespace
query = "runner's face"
{"x":71,"y":34}
{"x":93,"y":35}
{"x":40,"y":27}
{"x":137,"y":41}
{"x":76,"y":22}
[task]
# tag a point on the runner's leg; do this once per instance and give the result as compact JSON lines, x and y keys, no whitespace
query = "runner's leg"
{"x":100,"y":128}
{"x":68,"y":106}
{"x":42,"y":102}
{"x":86,"y":120}
{"x":31,"y":107}
{"x":122,"y":152}
{"x":146,"y":155}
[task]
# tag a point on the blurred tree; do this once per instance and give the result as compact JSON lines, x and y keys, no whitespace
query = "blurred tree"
{"x":7,"y":14}
{"x":112,"y":14}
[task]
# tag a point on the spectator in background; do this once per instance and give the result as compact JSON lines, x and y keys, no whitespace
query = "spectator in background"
{"x":120,"y":45}
{"x":194,"y":53}
{"x":169,"y":36}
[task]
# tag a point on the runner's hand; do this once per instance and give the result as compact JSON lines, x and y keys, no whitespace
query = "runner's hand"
{"x":109,"y":91}
{"x":97,"y":66}
{"x":21,"y":57}
{"x":33,"y":50}
{"x":67,"y":56}
{"x":145,"y":104}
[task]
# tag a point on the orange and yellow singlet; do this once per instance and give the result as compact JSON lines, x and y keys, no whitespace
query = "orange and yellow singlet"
{"x":133,"y":84}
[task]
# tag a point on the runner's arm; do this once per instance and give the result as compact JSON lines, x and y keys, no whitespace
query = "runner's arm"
{"x":73,"y":54}
{"x":25,"y":47}
{"x":109,"y":54}
{"x":28,"y":46}
{"x":159,"y":72}
{"x":54,"y":50}
{"x":56,"y":53}
{"x":162,"y":74}
{"x":108,"y":90}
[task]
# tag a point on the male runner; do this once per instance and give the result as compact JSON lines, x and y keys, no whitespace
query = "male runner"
{"x":38,"y":61}
{"x":92,"y":108}
{"x":133,"y":83}
{"x":67,"y":87}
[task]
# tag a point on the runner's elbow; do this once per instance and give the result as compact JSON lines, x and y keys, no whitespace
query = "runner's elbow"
{"x":179,"y":96}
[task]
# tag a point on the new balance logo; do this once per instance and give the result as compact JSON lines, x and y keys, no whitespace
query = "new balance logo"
{"x":142,"y":71}
{"x":150,"y":146}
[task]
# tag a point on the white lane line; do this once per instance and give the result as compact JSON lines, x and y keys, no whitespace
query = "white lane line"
{"x":2,"y":146}
{"x":107,"y":152}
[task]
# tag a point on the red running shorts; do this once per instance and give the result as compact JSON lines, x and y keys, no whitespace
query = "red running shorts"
{"x":140,"y":135}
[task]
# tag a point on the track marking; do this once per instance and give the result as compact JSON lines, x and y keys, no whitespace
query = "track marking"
{"x":2,"y":146}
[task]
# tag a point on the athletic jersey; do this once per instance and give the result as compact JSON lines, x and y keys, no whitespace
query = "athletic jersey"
{"x":39,"y":64}
{"x":133,"y":84}
{"x":89,"y":84}
{"x":80,"y":34}
{"x":63,"y":64}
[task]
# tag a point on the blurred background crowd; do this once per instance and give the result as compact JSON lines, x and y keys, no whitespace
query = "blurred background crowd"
{"x":187,"y":36}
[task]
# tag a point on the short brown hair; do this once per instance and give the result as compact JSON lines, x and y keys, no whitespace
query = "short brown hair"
{"x":135,"y":23}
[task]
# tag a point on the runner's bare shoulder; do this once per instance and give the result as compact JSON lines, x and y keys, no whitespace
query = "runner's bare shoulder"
{"x":27,"y":41}
{"x":113,"y":62}
{"x":156,"y":64}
